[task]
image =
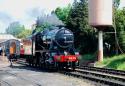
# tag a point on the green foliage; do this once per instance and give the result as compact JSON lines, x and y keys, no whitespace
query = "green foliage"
{"x":25,"y":33}
{"x":44,"y":22}
{"x":115,"y":62}
{"x":62,"y":13}
{"x":89,"y":57}
{"x":15,"y":28}
{"x":116,"y":3}
{"x":42,"y":27}
{"x":85,"y":37}
{"x":120,"y":26}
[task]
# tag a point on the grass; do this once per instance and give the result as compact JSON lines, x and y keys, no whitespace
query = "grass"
{"x":85,"y":59}
{"x":114,"y":62}
{"x":88,"y":57}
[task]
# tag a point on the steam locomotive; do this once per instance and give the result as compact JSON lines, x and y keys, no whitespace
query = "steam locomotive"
{"x":53,"y":47}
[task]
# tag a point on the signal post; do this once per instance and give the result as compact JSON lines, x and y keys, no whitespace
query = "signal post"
{"x":100,"y":17}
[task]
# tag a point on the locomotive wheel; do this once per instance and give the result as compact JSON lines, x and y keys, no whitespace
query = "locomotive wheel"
{"x":41,"y":62}
{"x":67,"y":67}
{"x":44,"y":65}
{"x":31,"y":62}
{"x":34,"y":62}
{"x":60,"y":66}
{"x":37,"y":62}
{"x":73,"y":66}
{"x":28,"y":60}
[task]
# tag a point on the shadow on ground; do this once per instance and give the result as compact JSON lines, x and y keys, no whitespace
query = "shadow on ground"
{"x":27,"y":67}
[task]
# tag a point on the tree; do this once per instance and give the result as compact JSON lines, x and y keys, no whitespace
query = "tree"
{"x":62,"y":13}
{"x":120,"y":27}
{"x":116,"y":3}
{"x":41,"y":24}
{"x":77,"y":21}
{"x":117,"y":41}
{"x":15,"y":28}
{"x":25,"y":33}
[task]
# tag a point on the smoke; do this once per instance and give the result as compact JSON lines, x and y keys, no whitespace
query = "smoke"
{"x":51,"y":19}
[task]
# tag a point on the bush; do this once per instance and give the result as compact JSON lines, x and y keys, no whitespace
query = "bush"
{"x":89,"y":57}
{"x":115,"y":62}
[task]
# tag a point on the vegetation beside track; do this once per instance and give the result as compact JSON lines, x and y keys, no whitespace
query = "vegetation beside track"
{"x":114,"y":62}
{"x":87,"y":58}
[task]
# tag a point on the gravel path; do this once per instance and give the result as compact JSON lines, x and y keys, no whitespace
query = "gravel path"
{"x":20,"y":75}
{"x":4,"y":61}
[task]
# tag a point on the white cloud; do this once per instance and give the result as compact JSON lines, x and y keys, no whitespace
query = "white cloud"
{"x":20,"y":10}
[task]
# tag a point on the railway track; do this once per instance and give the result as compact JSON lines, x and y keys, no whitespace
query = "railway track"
{"x":103,"y":76}
{"x":104,"y":70}
{"x":4,"y":83}
{"x":19,"y":79}
{"x":100,"y":75}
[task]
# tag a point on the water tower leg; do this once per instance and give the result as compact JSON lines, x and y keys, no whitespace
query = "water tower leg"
{"x":100,"y":46}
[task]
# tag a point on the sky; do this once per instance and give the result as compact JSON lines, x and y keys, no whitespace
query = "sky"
{"x":26,"y":11}
{"x":122,"y":3}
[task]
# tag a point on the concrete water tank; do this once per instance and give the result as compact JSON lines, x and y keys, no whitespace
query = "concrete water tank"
{"x":100,"y":12}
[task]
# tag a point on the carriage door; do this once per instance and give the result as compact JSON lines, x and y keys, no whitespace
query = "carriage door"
{"x":12,"y":47}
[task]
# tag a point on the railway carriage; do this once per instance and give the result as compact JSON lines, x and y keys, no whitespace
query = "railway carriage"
{"x":11,"y":47}
{"x":26,"y":47}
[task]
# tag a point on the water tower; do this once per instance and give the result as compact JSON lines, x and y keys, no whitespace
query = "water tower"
{"x":100,"y":17}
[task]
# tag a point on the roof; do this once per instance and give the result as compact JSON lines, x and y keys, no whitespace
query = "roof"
{"x":5,"y":37}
